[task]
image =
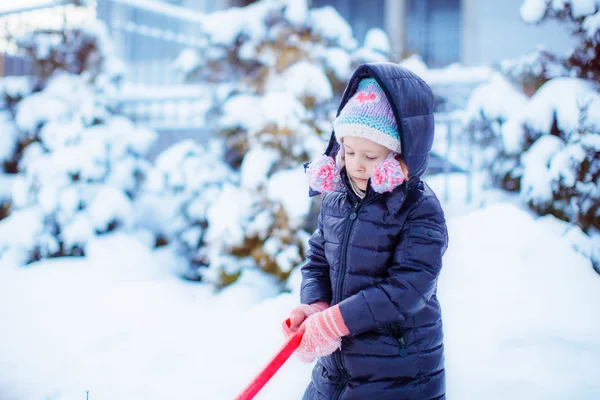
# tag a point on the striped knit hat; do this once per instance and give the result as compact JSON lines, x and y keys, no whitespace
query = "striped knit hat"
{"x":368,"y":115}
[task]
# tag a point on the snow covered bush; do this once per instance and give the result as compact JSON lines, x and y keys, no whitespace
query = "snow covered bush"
{"x":84,"y":49}
{"x":561,"y":169}
{"x":78,"y":173}
{"x":582,"y":15}
{"x":247,"y":47}
{"x":546,"y":146}
{"x":277,"y":67}
{"x":185,"y":181}
{"x":75,"y":166}
{"x":534,"y":69}
{"x":490,"y":106}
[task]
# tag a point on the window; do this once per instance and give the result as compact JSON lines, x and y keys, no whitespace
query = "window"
{"x":433,"y":30}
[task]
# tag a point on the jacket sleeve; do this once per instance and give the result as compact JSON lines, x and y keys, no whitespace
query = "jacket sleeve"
{"x":412,"y":277}
{"x":316,"y":283}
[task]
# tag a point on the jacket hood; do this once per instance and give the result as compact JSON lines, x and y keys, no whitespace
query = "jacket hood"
{"x":412,"y":102}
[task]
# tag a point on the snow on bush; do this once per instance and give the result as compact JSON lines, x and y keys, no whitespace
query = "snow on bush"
{"x":547,"y":146}
{"x":583,"y":18}
{"x":84,"y":49}
{"x":81,"y":169}
{"x":75,"y":166}
{"x":534,"y":69}
{"x":489,"y":107}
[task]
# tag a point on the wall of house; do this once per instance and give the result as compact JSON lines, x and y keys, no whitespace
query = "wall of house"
{"x":493,"y":31}
{"x":206,"y":6}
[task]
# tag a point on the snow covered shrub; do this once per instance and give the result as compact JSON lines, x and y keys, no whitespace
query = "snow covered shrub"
{"x":489,"y":107}
{"x":533,"y":70}
{"x":12,"y":90}
{"x":76,"y":167}
{"x":561,"y":170}
{"x":277,"y":70}
{"x":186,"y":179}
{"x":79,"y":50}
{"x":584,"y":18}
{"x":81,"y":171}
{"x":547,"y":146}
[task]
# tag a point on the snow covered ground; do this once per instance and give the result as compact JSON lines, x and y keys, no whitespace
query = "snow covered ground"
{"x":520,"y":308}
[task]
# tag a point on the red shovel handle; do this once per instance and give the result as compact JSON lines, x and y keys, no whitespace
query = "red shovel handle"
{"x":273,"y":366}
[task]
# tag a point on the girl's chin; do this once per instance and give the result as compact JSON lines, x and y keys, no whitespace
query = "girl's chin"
{"x":361,"y":183}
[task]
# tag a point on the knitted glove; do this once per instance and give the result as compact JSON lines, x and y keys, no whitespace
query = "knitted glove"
{"x":322,"y":334}
{"x":303,"y":311}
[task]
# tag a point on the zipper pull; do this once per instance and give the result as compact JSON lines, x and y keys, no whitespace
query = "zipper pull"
{"x":402,"y":345}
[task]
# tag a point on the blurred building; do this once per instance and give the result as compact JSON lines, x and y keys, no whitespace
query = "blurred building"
{"x":471,"y":32}
{"x":149,"y":34}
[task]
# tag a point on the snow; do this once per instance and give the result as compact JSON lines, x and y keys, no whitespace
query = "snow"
{"x":495,"y":100}
{"x":16,"y":86}
{"x":559,"y":98}
{"x":305,"y":80}
{"x":296,"y":11}
{"x":581,"y":8}
{"x":110,"y":205}
{"x":331,"y":26}
{"x":339,"y":61}
{"x":15,"y":241}
{"x":518,"y":323}
{"x":256,"y":165}
{"x":532,"y":11}
{"x":288,"y":187}
{"x":378,"y":40}
{"x":591,"y":25}
{"x":224,"y":27}
{"x":451,"y":74}
{"x":536,"y":183}
{"x":225,"y":214}
{"x":10,"y":135}
{"x":519,"y":305}
{"x":254,"y":113}
{"x":187,"y":61}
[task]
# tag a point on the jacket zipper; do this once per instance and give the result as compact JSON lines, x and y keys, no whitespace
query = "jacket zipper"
{"x":340,"y":286}
{"x":394,"y":332}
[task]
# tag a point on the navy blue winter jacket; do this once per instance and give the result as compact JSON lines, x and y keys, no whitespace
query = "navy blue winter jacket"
{"x":379,"y":259}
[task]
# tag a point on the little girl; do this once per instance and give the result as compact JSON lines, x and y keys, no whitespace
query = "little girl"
{"x":369,"y":309}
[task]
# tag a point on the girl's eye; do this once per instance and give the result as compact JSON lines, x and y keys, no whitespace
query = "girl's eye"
{"x":350,"y":154}
{"x":371,"y":158}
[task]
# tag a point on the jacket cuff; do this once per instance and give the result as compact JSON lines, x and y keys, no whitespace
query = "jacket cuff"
{"x":338,"y":320}
{"x":357,"y":315}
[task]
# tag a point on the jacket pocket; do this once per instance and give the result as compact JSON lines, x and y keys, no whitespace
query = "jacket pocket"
{"x":399,"y":336}
{"x":428,"y":234}
{"x":325,"y":374}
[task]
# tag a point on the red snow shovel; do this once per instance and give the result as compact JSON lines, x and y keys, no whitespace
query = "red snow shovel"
{"x":273,"y":366}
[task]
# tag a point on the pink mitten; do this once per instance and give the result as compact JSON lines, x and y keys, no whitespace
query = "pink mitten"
{"x":322,"y":334}
{"x":303,"y":311}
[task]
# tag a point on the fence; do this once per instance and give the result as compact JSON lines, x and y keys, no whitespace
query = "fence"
{"x":148,"y":36}
{"x":14,"y":65}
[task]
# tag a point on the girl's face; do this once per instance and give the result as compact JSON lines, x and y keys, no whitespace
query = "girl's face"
{"x":361,"y":155}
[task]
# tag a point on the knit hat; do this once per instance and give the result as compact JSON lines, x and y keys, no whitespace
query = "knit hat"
{"x":368,"y":114}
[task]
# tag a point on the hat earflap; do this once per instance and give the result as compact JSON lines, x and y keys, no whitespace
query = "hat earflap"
{"x":324,"y":175}
{"x":387,"y":175}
